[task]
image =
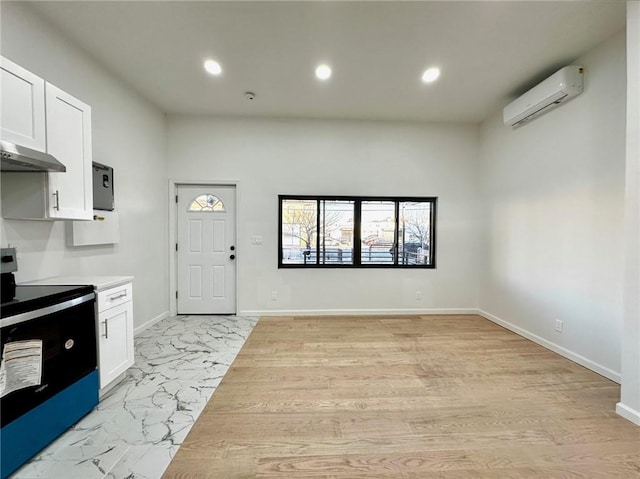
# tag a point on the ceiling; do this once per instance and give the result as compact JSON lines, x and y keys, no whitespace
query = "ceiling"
{"x":488,"y":52}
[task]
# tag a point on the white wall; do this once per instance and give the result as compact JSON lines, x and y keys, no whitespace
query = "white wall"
{"x":554,"y":199}
{"x":129,"y":135}
{"x":271,"y":157}
{"x":629,"y":405}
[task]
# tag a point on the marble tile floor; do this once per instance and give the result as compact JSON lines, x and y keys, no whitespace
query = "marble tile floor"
{"x":139,"y":425}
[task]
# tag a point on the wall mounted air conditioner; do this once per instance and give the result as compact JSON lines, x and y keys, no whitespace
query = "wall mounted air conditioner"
{"x":545,"y":96}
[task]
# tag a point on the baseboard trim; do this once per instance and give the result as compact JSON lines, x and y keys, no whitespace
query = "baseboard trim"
{"x":628,"y":413}
{"x":356,"y":312}
{"x":150,"y":323}
{"x":576,"y":358}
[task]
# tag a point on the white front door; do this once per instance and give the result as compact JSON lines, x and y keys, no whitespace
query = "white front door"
{"x":206,"y":249}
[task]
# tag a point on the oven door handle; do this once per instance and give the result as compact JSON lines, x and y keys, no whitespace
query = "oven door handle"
{"x":38,"y":313}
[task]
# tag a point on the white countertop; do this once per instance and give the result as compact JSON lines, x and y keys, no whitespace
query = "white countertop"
{"x":98,"y":282}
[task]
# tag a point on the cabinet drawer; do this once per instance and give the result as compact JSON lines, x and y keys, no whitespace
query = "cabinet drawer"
{"x":114,"y":296}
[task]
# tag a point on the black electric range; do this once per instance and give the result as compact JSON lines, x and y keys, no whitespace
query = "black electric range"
{"x":30,"y":298}
{"x":18,"y":299}
{"x":49,"y":361}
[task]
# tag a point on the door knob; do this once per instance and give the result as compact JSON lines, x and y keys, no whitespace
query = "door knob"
{"x":233,"y":256}
{"x":232,"y":248}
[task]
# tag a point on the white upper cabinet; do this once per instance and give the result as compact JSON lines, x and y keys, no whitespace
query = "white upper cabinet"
{"x":22,"y":106}
{"x":39,"y":115}
{"x":69,"y":140}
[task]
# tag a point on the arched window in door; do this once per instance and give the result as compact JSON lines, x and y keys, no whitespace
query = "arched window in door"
{"x":206,"y":203}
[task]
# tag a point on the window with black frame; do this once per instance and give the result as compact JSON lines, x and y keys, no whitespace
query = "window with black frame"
{"x":353,"y":231}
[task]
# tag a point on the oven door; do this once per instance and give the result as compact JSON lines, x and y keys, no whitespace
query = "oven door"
{"x":62,"y":337}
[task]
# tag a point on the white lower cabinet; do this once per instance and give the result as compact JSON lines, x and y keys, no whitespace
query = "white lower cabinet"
{"x":115,"y":332}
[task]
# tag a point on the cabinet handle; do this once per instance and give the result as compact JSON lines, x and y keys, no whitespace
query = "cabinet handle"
{"x":113,"y":298}
{"x":57,"y":205}
{"x":106,"y":328}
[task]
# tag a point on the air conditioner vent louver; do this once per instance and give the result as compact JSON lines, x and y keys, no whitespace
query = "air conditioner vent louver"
{"x":539,"y":112}
{"x":545,"y":96}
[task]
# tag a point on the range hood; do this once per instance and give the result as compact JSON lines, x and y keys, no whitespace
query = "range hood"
{"x":20,"y":158}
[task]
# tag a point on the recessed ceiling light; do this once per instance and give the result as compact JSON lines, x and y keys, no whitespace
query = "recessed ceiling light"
{"x":323,"y":72}
{"x":430,"y":75}
{"x":212,"y":67}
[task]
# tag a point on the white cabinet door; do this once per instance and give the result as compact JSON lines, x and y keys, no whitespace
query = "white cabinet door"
{"x":115,"y":342}
{"x":69,"y":140}
{"x":22,"y":116}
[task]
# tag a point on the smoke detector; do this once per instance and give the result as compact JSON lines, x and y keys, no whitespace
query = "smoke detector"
{"x":249,"y":95}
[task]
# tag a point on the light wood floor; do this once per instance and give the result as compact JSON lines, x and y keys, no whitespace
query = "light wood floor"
{"x":406,"y":398}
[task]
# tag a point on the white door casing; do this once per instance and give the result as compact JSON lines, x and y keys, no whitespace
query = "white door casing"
{"x":206,"y":249}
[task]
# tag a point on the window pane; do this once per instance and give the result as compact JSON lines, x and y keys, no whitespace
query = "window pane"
{"x":336,"y":232}
{"x":413,"y":236}
{"x":206,"y":204}
{"x":299,"y":231}
{"x":377,"y":232}
{"x":321,"y":231}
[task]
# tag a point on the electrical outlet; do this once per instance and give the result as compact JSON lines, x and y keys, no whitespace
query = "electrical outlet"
{"x":274,"y":295}
{"x":418,"y":295}
{"x":558,"y":325}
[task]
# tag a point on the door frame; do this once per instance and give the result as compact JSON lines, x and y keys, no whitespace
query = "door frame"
{"x":173,"y":235}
